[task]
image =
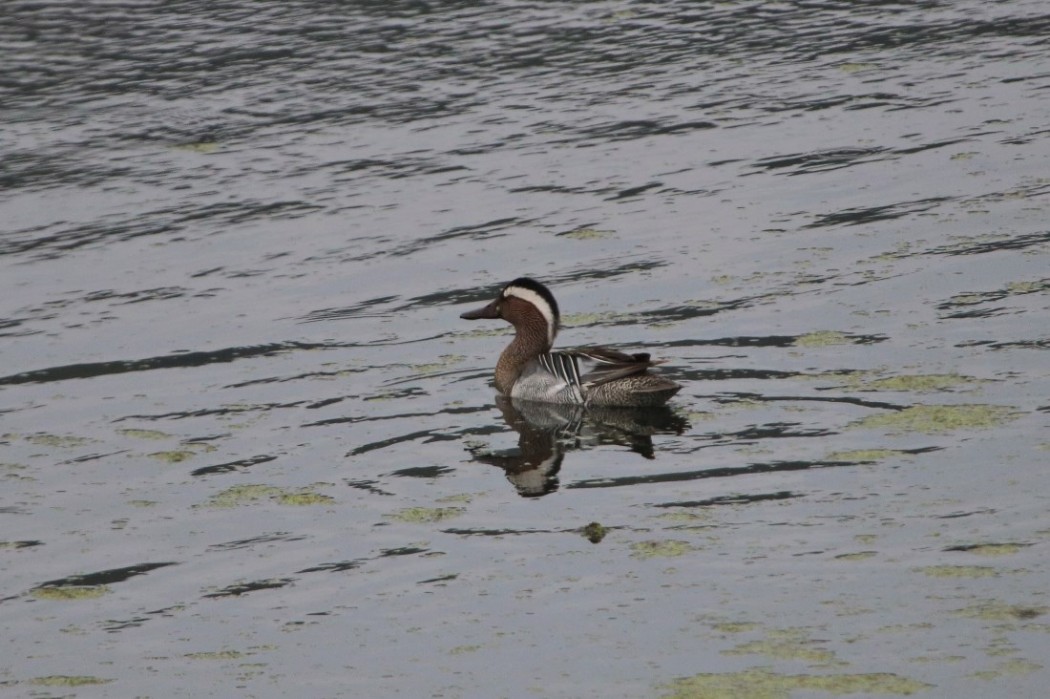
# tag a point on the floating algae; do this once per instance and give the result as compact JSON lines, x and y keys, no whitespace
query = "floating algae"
{"x":595,"y":532}
{"x":935,"y":419}
{"x":858,"y":556}
{"x":215,"y":655}
{"x":426,"y":515}
{"x":46,"y":439}
{"x":173,"y":456}
{"x":822,"y":338}
{"x":304,"y":498}
{"x":999,"y":611}
{"x":735,"y":626}
{"x":136,"y":433}
{"x":70,"y":592}
{"x":1012,"y":667}
{"x":1004,"y":549}
{"x":242,"y":495}
{"x":787,"y":644}
{"x":763,"y":684}
{"x":946,"y":571}
{"x":444,"y":362}
{"x":247,"y":494}
{"x":68,"y":680}
{"x":668,"y":548}
{"x":920,"y":383}
{"x":868,"y":455}
{"x":585,"y":233}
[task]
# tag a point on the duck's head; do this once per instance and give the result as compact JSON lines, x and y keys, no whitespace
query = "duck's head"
{"x":527,"y":305}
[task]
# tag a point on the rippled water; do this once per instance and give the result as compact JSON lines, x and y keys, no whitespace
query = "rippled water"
{"x":249,"y":448}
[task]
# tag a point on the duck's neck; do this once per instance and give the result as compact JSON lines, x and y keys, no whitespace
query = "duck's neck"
{"x":530,"y":341}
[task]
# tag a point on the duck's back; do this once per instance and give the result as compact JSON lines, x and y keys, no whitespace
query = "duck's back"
{"x":593,"y":376}
{"x":642,"y":390}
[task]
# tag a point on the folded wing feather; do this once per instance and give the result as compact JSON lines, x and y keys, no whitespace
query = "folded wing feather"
{"x":592,"y":366}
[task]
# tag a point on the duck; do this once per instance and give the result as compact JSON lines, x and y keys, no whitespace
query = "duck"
{"x":529,"y":370}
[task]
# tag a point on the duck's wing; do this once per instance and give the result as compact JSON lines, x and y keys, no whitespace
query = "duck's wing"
{"x":564,"y":367}
{"x":587,"y":367}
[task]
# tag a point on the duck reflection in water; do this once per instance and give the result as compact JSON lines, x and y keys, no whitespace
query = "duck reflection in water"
{"x":547,"y":431}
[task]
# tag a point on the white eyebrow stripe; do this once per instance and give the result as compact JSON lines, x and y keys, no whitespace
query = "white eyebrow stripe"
{"x":541,"y":305}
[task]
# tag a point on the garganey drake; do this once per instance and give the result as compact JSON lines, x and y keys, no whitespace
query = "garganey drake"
{"x":528,"y":369}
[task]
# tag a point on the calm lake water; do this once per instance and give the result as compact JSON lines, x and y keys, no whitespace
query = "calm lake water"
{"x":249,"y":448}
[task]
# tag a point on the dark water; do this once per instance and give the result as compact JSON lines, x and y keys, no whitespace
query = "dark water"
{"x":249,"y":449}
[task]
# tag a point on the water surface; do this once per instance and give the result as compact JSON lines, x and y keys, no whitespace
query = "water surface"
{"x":249,"y":448}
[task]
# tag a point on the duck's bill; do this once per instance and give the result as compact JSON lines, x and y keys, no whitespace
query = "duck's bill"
{"x":489,"y":311}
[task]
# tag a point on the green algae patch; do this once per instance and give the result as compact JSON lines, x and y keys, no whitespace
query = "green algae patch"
{"x":958,"y":571}
{"x":822,"y":338}
{"x":735,"y":626}
{"x":46,"y":439}
{"x":992,"y":549}
{"x":482,"y":331}
{"x":460,"y":497}
{"x":303,"y":499}
{"x":1000,"y":646}
{"x":247,"y":494}
{"x":743,"y":404}
{"x":426,"y":515}
{"x":787,"y":644}
{"x":866,"y":455}
{"x":997,"y":611}
{"x":906,"y":628}
{"x":389,"y":395}
{"x":685,"y":518}
{"x":851,"y":379}
{"x":444,"y":362}
{"x":144,"y":434}
{"x":911,"y":383}
{"x":938,"y":659}
{"x":575,"y":320}
{"x":54,"y":440}
{"x":173,"y":456}
{"x":216,"y":655}
{"x":763,"y":684}
{"x":937,"y":419}
{"x":595,"y":532}
{"x":68,"y":680}
{"x":668,"y":548}
{"x":70,"y":592}
{"x":920,"y":383}
{"x":967,"y":299}
{"x":1011,"y":668}
{"x":856,"y":67}
{"x":586,"y":233}
{"x":858,"y":556}
{"x":463,"y":650}
{"x":23,"y":544}
{"x":1028,"y":287}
